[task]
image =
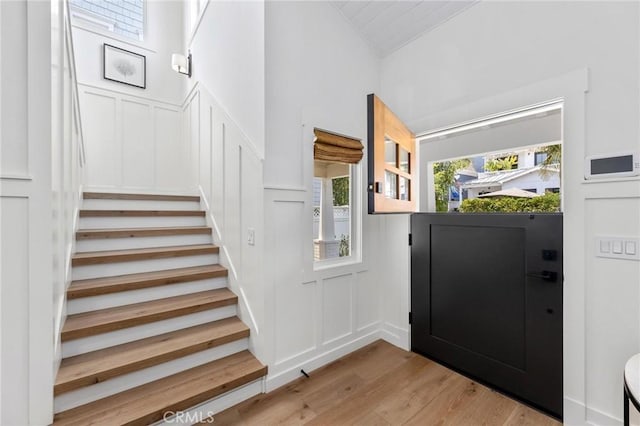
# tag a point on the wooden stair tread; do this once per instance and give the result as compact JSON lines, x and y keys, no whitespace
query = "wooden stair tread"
{"x":107,"y":285}
{"x":88,"y":234}
{"x":105,"y":320}
{"x":98,"y":366}
{"x":140,"y":213}
{"x":124,"y":196}
{"x":147,"y":403}
{"x":109,"y":256}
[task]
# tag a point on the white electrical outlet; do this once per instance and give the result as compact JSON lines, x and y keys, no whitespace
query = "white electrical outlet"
{"x":251,"y":237}
{"x":626,"y":248}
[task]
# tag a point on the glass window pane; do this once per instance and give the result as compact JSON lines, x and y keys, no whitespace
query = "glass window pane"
{"x":405,"y":188}
{"x":404,"y":160}
{"x":390,"y":152}
{"x":331,"y":210}
{"x":390,"y":185}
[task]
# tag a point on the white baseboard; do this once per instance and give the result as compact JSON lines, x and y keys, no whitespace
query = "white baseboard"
{"x":599,"y":418}
{"x":577,"y":414}
{"x":282,"y":378}
{"x":396,"y":336}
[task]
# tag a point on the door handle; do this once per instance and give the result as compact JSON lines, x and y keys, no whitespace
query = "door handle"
{"x":545,"y":275}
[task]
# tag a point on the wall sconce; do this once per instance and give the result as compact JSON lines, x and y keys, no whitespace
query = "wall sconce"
{"x":180,"y":64}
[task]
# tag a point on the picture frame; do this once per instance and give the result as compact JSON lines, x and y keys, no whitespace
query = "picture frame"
{"x":123,"y":66}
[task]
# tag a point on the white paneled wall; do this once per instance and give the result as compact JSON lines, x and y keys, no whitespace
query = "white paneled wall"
{"x":40,"y":177}
{"x":228,"y":171}
{"x":315,"y":315}
{"x":134,"y":143}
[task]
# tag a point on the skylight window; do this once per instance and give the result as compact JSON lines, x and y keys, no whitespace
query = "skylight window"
{"x":122,"y":17}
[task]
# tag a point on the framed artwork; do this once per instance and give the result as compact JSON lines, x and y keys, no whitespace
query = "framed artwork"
{"x":124,"y":67}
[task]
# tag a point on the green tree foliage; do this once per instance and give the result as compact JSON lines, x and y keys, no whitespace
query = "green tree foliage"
{"x":505,"y":163}
{"x":341,"y":191}
{"x":549,"y":202}
{"x":552,"y":162}
{"x":444,"y":176}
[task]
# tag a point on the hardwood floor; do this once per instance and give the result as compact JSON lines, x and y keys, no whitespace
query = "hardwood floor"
{"x":383,"y":385}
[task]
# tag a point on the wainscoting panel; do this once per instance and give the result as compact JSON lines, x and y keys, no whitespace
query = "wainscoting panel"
{"x":103,"y":150}
{"x":367,"y":300}
{"x":294,"y":331}
{"x":134,"y":143}
{"x":14,"y":274}
{"x":228,"y":174}
{"x":137,"y":146}
{"x":337,"y":307}
{"x":172,"y":157}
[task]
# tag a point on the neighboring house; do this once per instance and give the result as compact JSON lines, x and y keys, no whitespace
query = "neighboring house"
{"x":457,"y":192}
{"x":530,"y":179}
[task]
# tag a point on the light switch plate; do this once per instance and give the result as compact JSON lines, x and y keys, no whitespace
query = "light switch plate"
{"x":251,"y":237}
{"x":625,"y":248}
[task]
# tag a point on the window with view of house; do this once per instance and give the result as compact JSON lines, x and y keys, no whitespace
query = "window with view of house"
{"x":335,"y":166}
{"x":122,"y":17}
{"x":489,"y":181}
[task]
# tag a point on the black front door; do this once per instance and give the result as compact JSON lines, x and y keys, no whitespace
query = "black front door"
{"x":486,"y":299}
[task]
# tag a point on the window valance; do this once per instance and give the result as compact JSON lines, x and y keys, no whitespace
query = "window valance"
{"x":330,"y":146}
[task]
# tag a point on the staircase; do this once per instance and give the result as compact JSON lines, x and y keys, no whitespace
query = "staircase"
{"x":151,"y":327}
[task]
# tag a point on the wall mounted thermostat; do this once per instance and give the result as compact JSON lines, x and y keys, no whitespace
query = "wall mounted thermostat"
{"x":612,"y":165}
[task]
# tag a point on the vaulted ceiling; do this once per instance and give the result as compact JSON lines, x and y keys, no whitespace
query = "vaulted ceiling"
{"x":389,"y":25}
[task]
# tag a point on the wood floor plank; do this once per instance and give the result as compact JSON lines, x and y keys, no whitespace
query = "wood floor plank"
{"x":125,"y":196}
{"x":93,"y":234}
{"x":525,"y":416}
{"x":98,"y":366}
{"x":140,"y":213}
{"x":487,"y":408}
{"x":147,"y":403}
{"x":340,"y":389}
{"x":374,"y":393}
{"x":104,"y":320}
{"x":414,"y":391}
{"x":427,"y":385}
{"x":130,"y":255}
{"x":108,"y":285}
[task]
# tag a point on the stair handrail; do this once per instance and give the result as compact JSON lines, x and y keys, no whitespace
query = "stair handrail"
{"x":74,"y":82}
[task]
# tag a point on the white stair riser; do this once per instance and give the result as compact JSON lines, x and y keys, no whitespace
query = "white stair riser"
{"x":209,"y":408}
{"x":110,"y":222}
{"x":125,"y":243}
{"x":88,"y":304}
{"x":139,"y":205}
{"x":139,"y":266}
{"x":113,"y":338}
{"x":118,"y":384}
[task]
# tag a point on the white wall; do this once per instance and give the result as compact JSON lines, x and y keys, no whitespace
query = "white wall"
{"x":229,"y":176}
{"x":26,"y":295}
{"x":229,"y":58}
{"x":318,"y":73}
{"x":39,"y":191}
{"x":501,"y":55}
{"x":134,"y":136}
{"x":163,"y":35}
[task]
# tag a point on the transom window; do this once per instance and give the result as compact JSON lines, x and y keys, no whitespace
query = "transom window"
{"x":122,"y":17}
